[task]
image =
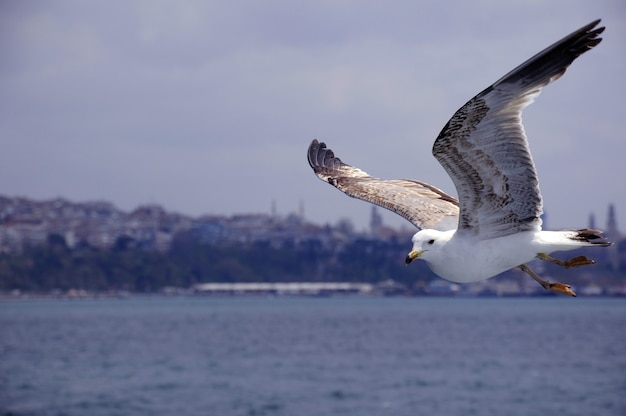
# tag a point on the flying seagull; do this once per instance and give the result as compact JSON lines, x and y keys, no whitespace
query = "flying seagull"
{"x":495,"y":224}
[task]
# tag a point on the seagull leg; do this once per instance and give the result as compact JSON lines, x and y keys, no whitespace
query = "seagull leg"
{"x":557,"y":287}
{"x":568,"y":264}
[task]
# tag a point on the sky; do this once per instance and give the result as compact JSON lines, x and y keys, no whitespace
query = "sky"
{"x":208,"y":107}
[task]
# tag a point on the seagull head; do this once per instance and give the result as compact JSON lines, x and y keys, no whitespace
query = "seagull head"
{"x":424,"y":241}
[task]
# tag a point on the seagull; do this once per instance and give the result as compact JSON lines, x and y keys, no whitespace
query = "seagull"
{"x":495,"y":223}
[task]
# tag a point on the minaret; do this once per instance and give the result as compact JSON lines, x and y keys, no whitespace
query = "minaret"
{"x":592,"y":221}
{"x":611,"y":224}
{"x":612,"y":234}
{"x":376,"y":221}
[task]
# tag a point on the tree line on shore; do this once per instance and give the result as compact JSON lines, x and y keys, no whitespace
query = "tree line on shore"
{"x":129,"y":267}
{"x":55,"y":266}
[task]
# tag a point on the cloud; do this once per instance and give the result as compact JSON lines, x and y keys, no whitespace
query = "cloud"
{"x":209,"y":106}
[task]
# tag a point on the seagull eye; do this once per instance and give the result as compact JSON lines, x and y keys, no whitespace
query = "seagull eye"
{"x":431,"y":241}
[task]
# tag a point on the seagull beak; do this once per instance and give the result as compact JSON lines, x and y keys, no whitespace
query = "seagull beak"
{"x":413,"y":255}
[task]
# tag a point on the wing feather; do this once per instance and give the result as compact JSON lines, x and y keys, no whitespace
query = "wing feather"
{"x":423,"y":205}
{"x":484,"y":147}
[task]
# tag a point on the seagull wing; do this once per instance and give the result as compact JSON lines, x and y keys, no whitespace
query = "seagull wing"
{"x":423,"y":205}
{"x":484,"y":148}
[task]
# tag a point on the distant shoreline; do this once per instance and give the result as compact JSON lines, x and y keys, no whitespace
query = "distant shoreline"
{"x":4,"y":297}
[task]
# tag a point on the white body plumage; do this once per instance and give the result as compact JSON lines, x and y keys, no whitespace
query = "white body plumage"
{"x":463,"y":259}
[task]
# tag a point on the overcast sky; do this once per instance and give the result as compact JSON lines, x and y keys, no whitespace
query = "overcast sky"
{"x":208,"y":107}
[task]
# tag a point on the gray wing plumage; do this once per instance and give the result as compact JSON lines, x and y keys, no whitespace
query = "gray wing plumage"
{"x":484,"y":148}
{"x":423,"y":205}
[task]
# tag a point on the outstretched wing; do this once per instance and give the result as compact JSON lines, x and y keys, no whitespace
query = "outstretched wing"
{"x":484,"y":148}
{"x":423,"y":205}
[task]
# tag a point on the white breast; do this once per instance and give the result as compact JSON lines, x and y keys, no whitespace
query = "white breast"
{"x":464,"y":260}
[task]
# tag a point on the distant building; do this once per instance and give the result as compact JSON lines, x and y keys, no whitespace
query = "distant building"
{"x":611,"y":224}
{"x":613,"y":234}
{"x":592,"y":221}
{"x":376,"y":221}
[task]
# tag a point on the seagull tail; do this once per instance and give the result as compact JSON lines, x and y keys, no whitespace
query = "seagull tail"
{"x":591,"y":237}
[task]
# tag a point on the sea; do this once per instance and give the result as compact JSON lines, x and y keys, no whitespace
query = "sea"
{"x":300,"y":356}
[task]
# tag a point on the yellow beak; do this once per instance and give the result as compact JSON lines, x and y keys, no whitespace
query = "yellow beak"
{"x":413,"y":255}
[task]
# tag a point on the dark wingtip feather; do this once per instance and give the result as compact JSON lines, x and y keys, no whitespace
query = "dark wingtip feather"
{"x":553,"y":61}
{"x":324,"y":163}
{"x":316,"y":153}
{"x":590,"y":236}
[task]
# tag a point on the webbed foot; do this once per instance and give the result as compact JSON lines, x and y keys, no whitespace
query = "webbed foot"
{"x":556,"y":287}
{"x":568,"y":264}
{"x":561,"y":288}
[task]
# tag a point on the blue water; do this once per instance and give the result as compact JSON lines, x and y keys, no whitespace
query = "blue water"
{"x":305,"y":356}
